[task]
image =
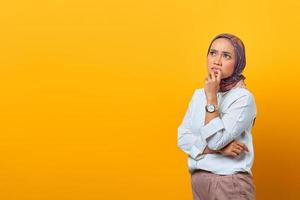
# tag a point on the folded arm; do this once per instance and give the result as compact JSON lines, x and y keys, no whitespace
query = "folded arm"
{"x":189,"y":140}
{"x":218,"y":132}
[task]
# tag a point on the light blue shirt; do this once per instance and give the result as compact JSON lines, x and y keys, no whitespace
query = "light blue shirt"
{"x":237,"y":110}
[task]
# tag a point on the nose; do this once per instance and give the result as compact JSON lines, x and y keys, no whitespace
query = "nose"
{"x":217,"y":60}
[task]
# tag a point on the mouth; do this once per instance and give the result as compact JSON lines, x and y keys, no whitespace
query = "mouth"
{"x":214,"y":69}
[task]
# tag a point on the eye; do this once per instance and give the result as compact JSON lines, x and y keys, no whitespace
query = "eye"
{"x":227,"y":56}
{"x":212,"y":53}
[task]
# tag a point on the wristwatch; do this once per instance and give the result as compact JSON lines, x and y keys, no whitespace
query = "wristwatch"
{"x":211,"y":108}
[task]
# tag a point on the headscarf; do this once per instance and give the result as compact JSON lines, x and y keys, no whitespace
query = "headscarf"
{"x":240,"y":62}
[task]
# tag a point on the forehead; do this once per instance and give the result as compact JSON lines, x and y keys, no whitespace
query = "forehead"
{"x":222,"y":44}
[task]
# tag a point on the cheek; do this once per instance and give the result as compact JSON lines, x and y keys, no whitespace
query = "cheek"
{"x":229,"y":67}
{"x":209,"y":61}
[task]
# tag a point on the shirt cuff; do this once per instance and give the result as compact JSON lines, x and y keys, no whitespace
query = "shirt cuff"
{"x":212,"y":127}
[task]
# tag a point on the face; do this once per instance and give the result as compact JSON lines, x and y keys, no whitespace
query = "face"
{"x":221,"y":56}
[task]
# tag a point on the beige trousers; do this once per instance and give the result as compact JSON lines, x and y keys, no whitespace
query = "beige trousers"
{"x":209,"y":186}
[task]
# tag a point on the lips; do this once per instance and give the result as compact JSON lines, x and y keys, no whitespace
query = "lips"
{"x":215,"y":70}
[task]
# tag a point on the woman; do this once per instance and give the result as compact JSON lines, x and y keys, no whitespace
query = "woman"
{"x":216,"y":129}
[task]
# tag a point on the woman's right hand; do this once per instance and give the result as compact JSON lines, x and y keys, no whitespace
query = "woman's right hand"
{"x":234,"y":149}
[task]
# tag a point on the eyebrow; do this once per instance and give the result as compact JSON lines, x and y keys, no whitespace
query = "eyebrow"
{"x":222,"y":51}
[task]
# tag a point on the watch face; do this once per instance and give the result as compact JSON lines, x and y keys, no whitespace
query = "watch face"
{"x":210,"y":108}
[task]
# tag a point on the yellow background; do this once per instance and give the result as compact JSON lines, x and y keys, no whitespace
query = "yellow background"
{"x":92,"y":93}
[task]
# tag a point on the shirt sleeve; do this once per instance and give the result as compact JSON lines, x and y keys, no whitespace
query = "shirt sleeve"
{"x":236,"y":119}
{"x":189,"y":139}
